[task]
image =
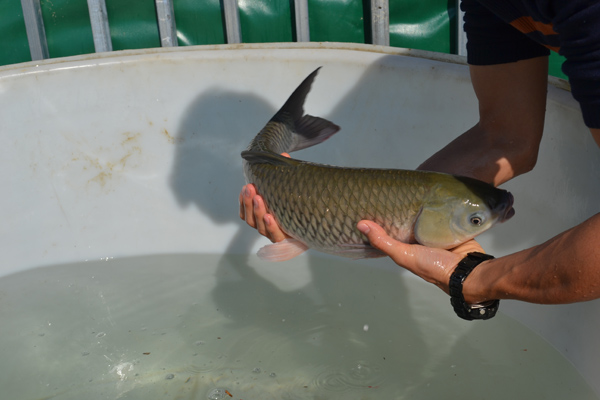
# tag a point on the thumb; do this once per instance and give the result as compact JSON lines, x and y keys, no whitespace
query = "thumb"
{"x":433,"y":265}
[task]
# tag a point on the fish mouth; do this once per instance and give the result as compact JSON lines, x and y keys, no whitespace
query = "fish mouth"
{"x":505,"y":209}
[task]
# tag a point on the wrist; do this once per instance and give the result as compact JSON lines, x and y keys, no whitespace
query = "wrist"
{"x":475,"y":289}
{"x":464,"y":309}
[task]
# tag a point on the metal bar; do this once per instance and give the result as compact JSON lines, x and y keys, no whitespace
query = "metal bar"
{"x":232,"y":21}
{"x":166,"y":23}
{"x":34,"y":25}
{"x":100,"y":28}
{"x":460,"y":31}
{"x":380,"y":22}
{"x":302,"y":26}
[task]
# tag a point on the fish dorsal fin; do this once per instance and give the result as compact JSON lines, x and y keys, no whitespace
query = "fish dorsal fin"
{"x":262,"y":157}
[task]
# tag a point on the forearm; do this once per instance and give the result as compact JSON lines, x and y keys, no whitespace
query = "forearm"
{"x":596,"y":135}
{"x":565,"y":269}
{"x":505,"y":141}
{"x":484,"y":155}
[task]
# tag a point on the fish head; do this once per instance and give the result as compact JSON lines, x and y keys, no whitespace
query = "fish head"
{"x":460,"y":209}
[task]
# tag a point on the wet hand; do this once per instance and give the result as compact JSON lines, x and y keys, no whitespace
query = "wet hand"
{"x":254,"y":212}
{"x":433,"y":265}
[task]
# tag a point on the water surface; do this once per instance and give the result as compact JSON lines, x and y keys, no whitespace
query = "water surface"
{"x":206,"y":326}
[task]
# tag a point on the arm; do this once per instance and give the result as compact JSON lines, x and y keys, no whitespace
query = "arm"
{"x":505,"y":141}
{"x":565,"y":269}
{"x":596,"y":135}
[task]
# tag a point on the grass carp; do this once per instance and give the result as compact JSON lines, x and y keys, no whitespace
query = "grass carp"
{"x":319,"y":205}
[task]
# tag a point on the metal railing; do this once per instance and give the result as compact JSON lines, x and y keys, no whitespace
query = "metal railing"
{"x":36,"y":36}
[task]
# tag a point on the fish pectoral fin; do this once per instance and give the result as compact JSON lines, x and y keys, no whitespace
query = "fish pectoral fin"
{"x":282,"y":251}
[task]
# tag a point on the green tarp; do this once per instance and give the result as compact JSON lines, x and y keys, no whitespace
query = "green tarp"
{"x":419,"y":24}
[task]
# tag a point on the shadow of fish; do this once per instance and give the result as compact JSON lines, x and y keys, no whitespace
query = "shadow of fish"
{"x":320,"y":205}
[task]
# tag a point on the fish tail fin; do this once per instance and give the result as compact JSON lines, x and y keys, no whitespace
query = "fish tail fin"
{"x":311,"y":131}
{"x":290,"y":129}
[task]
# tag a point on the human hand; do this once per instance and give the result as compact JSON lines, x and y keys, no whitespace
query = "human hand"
{"x":433,"y":265}
{"x":254,"y":212}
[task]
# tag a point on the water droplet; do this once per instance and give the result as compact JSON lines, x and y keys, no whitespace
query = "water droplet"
{"x":365,"y":327}
{"x":256,"y":370}
{"x":216,"y":394}
{"x":361,"y":374}
{"x":100,"y":334}
{"x":170,"y":376}
{"x":200,"y":343}
{"x":273,"y":375}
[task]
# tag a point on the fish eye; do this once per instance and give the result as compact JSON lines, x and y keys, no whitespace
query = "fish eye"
{"x":476,"y":220}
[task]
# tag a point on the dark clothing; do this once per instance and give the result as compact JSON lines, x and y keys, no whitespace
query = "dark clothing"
{"x":512,"y":30}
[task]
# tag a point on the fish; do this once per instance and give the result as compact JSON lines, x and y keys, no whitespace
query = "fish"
{"x":318,"y":206}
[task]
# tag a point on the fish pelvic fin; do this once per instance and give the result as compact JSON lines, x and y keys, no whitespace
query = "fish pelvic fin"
{"x":290,"y":129}
{"x":282,"y":251}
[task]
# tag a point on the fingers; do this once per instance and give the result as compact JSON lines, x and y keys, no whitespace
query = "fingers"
{"x":246,"y":205}
{"x":272,"y":229}
{"x":259,"y":211}
{"x":254,"y":211}
{"x":400,"y":252}
{"x":433,"y":265}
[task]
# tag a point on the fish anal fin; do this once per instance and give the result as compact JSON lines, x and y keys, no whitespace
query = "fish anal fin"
{"x":282,"y":251}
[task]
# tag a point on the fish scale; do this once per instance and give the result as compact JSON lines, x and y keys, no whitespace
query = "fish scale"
{"x":319,"y":205}
{"x":322,"y":204}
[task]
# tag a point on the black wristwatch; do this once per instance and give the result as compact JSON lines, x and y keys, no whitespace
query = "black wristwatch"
{"x":469,"y":311}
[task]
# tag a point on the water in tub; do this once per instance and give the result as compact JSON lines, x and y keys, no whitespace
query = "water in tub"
{"x":232,"y":327}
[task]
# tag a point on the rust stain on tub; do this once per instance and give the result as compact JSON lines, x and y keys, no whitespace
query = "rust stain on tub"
{"x":170,"y":138}
{"x":121,"y":157}
{"x":130,"y":137}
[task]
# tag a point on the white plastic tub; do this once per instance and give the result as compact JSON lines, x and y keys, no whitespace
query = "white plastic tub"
{"x":137,"y":153}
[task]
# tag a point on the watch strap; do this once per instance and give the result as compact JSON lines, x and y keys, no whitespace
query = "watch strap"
{"x":466,"y":311}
